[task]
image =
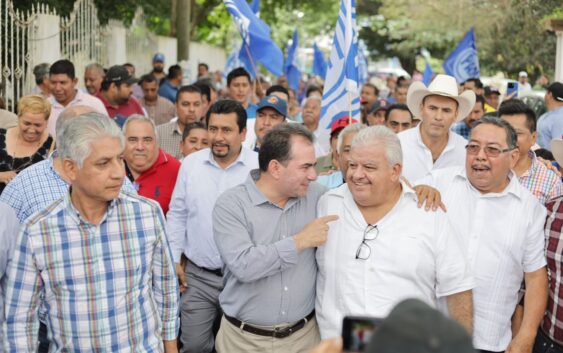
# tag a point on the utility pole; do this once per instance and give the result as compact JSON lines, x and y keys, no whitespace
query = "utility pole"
{"x":183,"y":16}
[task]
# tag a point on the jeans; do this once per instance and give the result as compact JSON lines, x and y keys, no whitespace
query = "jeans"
{"x":544,"y":344}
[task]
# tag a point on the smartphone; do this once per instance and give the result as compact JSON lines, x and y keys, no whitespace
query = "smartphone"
{"x":357,"y":332}
{"x":511,"y":87}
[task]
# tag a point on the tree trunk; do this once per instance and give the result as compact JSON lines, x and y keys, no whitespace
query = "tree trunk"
{"x":173,"y":18}
{"x":183,"y":16}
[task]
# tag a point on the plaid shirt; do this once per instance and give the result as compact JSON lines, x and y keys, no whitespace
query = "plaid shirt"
{"x":552,"y":323}
{"x":169,"y":138}
{"x":108,"y":287}
{"x":161,"y":112}
{"x":543,"y":183}
{"x":462,"y":129}
{"x":38,"y":186}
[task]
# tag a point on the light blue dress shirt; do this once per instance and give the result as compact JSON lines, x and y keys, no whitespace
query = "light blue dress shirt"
{"x":550,"y":126}
{"x":200,"y":182}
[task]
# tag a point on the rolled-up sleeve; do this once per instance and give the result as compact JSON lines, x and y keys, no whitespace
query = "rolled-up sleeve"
{"x":246,"y":260}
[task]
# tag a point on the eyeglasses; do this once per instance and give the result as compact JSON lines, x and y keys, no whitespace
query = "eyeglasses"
{"x":364,"y":251}
{"x":490,"y":151}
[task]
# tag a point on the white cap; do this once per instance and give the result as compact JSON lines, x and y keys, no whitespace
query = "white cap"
{"x":522,"y":74}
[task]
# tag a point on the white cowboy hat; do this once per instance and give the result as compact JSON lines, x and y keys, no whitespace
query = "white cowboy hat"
{"x":557,"y":150}
{"x":442,"y":85}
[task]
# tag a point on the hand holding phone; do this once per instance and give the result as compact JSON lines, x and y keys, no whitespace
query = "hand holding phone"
{"x":511,"y":89}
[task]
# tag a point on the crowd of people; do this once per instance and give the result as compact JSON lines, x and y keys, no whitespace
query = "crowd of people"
{"x":219,"y":216}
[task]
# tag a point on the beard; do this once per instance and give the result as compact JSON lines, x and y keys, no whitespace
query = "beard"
{"x":158,"y":69}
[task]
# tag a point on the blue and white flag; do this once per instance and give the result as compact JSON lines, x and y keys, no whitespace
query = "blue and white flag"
{"x":427,"y":75}
{"x":255,"y":37}
{"x":463,"y":62}
{"x":319,"y":62}
{"x":234,"y":61}
{"x":341,"y":91}
{"x":290,"y":69}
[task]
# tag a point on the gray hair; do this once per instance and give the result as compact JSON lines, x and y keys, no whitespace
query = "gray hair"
{"x":313,"y":98}
{"x":79,"y":133}
{"x":141,"y":118}
{"x":69,"y":113}
{"x":511,"y":136}
{"x":380,"y":134}
{"x":97,"y":67}
{"x":352,"y":128}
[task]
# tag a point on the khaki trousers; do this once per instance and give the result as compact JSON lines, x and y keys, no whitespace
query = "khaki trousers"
{"x":232,"y":339}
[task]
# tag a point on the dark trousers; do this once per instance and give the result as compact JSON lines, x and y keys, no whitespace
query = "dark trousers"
{"x":483,"y":351}
{"x":544,"y":344}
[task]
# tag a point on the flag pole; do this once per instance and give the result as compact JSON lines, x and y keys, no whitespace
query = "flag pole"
{"x":253,"y":67}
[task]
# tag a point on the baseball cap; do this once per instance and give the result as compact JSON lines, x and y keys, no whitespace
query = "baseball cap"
{"x":522,"y":74}
{"x":414,"y":327}
{"x":273,"y":102}
{"x":158,"y":57}
{"x":377,"y":106}
{"x":556,"y":89}
{"x":341,"y":123}
{"x":119,"y":73}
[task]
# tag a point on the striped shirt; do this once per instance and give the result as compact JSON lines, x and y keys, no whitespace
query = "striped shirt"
{"x":161,"y":111}
{"x":169,"y":138}
{"x":38,"y":186}
{"x":108,"y":287}
{"x":543,"y":183}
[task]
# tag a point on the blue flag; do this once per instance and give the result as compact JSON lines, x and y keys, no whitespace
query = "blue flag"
{"x":463,"y":62}
{"x":319,"y":62}
{"x":427,"y":75}
{"x":291,"y":70}
{"x":255,"y":6}
{"x":255,"y":37}
{"x":234,"y":61}
{"x":341,"y":94}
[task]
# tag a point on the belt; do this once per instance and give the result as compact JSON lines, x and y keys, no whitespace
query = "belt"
{"x":276,"y":333}
{"x":217,"y":271}
{"x":550,"y":340}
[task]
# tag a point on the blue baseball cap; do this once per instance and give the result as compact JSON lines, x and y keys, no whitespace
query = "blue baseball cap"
{"x":158,"y":57}
{"x":275,"y":103}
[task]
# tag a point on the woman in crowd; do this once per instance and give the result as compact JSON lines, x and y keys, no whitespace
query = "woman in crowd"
{"x":194,"y":138}
{"x":28,"y":142}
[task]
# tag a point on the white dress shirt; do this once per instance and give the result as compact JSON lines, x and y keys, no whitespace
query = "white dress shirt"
{"x":417,"y":158}
{"x":503,"y":238}
{"x":415,"y":255}
{"x":200,"y":182}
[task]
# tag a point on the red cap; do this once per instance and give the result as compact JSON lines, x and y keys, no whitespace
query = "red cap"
{"x":341,"y":123}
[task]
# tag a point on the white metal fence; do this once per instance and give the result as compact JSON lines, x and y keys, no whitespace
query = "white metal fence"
{"x":42,"y":36}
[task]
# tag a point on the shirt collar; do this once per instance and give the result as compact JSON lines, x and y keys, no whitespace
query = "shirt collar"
{"x":449,"y":146}
{"x":77,"y":98}
{"x":513,"y":186}
{"x":257,"y":197}
{"x":533,"y":165}
{"x":243,"y":158}
{"x":75,"y":215}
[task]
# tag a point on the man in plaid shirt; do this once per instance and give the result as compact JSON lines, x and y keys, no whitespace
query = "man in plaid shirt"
{"x":532,"y":174}
{"x":99,"y":256}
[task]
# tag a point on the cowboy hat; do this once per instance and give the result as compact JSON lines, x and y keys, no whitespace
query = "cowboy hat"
{"x":557,"y":150}
{"x":445,"y":86}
